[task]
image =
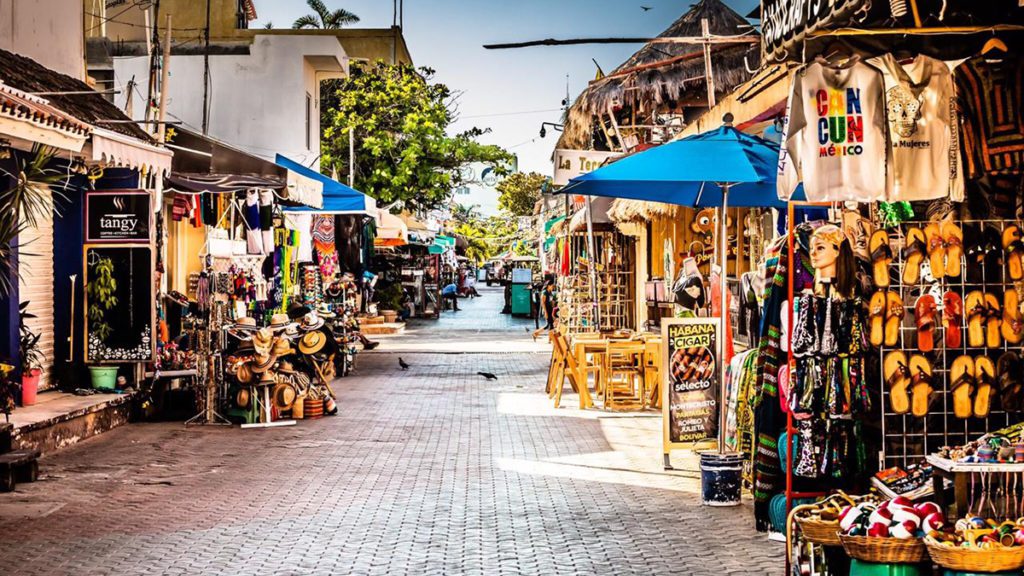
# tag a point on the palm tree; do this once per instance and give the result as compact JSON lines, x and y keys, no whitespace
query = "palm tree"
{"x":325,"y":18}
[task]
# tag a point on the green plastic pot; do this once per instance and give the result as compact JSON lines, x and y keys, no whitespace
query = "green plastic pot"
{"x":103,"y":377}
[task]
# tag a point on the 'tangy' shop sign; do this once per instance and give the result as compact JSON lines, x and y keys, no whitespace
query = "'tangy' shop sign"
{"x":786,"y":22}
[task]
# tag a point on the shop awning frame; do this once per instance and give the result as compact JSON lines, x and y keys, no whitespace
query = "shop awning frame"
{"x":338,"y":198}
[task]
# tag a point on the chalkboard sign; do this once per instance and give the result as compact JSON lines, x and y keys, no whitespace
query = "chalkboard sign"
{"x":120,"y":216}
{"x":119,"y":304}
{"x":689,"y":352}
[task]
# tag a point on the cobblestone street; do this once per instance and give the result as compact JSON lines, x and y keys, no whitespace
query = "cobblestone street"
{"x":433,"y":470}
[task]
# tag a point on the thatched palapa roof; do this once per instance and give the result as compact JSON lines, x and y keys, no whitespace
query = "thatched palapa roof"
{"x":667,"y":73}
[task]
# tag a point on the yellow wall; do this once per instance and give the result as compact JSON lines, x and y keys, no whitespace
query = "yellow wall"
{"x":184,"y":244}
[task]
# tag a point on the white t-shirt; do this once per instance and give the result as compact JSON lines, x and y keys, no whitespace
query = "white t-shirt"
{"x":834,"y":140}
{"x":924,"y":145}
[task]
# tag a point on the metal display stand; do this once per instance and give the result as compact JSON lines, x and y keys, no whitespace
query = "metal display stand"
{"x":908,"y":439}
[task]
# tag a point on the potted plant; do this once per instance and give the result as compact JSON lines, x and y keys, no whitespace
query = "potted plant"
{"x":30,"y":355}
{"x":102,"y":296}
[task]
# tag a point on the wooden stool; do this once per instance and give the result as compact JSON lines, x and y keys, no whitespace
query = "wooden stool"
{"x":624,"y":375}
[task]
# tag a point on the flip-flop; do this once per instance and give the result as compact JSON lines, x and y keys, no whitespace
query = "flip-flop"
{"x":876,"y":319}
{"x":913,"y":253}
{"x":881,"y":257}
{"x":924,"y":320}
{"x":952,"y":319}
{"x":1008,"y":368}
{"x":920,"y":385}
{"x":1012,"y":327}
{"x":1014,"y":248}
{"x":993,"y":256}
{"x":954,"y":239}
{"x":962,"y":385}
{"x":893,"y":318}
{"x":936,"y":250}
{"x":897,"y":378}
{"x":974,"y":306}
{"x":993,"y":321}
{"x":985,"y":372}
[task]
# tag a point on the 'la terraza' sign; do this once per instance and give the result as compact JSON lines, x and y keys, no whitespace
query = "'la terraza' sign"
{"x":117,"y":216}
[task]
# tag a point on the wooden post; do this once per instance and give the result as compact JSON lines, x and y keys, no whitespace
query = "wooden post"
{"x":709,"y":75}
{"x":164,"y":74}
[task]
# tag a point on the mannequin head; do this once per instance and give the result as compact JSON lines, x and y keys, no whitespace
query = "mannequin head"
{"x":825,"y":243}
{"x":833,"y":259}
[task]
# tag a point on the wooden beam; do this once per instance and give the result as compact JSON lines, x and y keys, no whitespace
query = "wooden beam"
{"x":751,"y":39}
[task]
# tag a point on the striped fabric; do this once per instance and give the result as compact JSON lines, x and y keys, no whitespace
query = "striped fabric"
{"x":990,"y":103}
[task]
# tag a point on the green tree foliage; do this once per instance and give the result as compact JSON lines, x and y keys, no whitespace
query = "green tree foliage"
{"x":519,"y":192}
{"x":324,"y":17}
{"x":489,"y":237}
{"x":402,"y":149}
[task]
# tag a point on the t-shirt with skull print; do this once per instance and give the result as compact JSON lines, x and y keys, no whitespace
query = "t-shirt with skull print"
{"x":923,"y":155}
{"x":834,"y":137}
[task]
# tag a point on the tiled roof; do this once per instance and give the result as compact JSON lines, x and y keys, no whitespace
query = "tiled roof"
{"x":29,"y":76}
{"x":20,"y":105}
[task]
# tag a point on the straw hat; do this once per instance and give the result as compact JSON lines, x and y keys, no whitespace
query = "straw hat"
{"x":262,"y":341}
{"x":245,"y":323}
{"x":285,"y":367}
{"x":296,"y":310}
{"x":283,"y":396}
{"x":244,"y":373}
{"x":242,"y":398}
{"x":262,"y":363}
{"x":312,"y":342}
{"x":267,"y":379}
{"x":325,"y":312}
{"x":282,"y":347}
{"x":279,"y":322}
{"x":311,"y":321}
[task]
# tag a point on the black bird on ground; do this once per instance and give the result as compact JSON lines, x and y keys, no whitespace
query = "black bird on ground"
{"x":488,"y":375}
{"x":402,"y":363}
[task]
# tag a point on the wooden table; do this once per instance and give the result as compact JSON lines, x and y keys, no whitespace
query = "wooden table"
{"x":581,"y":347}
{"x":959,"y":473}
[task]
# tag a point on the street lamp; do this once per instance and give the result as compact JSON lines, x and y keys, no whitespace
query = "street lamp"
{"x":544,"y":132}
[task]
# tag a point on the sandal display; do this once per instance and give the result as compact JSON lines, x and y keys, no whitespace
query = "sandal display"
{"x":936,"y":250}
{"x":897,"y":379}
{"x":974,"y":305}
{"x":881,"y":257}
{"x":953,"y":237}
{"x":876,"y":319}
{"x":985,"y":373}
{"x":962,"y":385}
{"x":924,"y":320}
{"x":921,"y":386}
{"x":1014,"y":248}
{"x":913,"y":253}
{"x":1012,"y":327}
{"x":952,"y":319}
{"x":993,"y":263}
{"x":993,"y":321}
{"x":893,"y":318}
{"x":1011,"y":383}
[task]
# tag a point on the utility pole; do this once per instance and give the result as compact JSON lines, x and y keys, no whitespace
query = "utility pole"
{"x":153,"y":59}
{"x":165,"y":71}
{"x":206,"y":72}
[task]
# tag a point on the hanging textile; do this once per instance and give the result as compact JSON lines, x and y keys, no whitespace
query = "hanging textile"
{"x":992,"y":108}
{"x":267,"y":219}
{"x":253,"y":237}
{"x":323,"y":244}
{"x":923,"y":157}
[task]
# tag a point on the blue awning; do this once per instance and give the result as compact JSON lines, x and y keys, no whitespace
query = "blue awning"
{"x":338,"y":198}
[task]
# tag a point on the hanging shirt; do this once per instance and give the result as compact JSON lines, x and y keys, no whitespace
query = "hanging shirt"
{"x":834,"y":139}
{"x":992,"y":107}
{"x":924,"y":143}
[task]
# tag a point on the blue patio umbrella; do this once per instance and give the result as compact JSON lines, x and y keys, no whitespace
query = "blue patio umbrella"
{"x":718,"y":168}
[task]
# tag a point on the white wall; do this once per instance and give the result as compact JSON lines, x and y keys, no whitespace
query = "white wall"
{"x":257,"y":101}
{"x":47,"y":31}
{"x":482,"y":196}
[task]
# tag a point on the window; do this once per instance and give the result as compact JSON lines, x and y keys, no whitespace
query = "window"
{"x":309,"y":121}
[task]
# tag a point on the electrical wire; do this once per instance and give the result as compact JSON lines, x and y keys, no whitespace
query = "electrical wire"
{"x":521,"y":113}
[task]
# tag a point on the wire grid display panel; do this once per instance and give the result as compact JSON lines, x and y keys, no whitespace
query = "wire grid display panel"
{"x":907,"y":438}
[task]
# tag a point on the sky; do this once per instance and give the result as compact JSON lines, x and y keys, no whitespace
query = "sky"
{"x":509,"y":91}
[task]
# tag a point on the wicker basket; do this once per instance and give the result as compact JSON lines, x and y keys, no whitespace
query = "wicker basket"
{"x":998,"y":559}
{"x":884,"y":550}
{"x":824,"y":532}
